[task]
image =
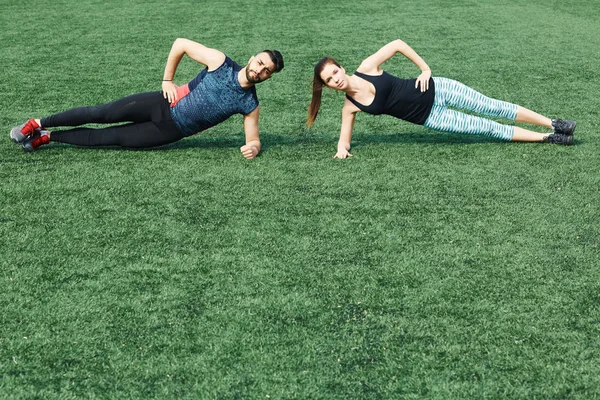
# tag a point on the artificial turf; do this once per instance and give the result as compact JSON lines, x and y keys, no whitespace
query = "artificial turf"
{"x":426,"y":266}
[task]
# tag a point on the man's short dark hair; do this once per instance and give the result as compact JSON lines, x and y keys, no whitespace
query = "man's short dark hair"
{"x":277,"y":59}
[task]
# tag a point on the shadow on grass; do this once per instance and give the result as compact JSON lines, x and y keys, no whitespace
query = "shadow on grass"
{"x":359,"y":139}
{"x":270,"y":140}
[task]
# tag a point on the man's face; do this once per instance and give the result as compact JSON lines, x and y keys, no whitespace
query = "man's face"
{"x":259,"y":68}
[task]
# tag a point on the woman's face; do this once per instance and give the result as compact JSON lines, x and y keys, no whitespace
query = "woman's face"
{"x":334,"y":77}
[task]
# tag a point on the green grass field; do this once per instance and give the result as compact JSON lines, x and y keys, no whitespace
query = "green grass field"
{"x":428,"y":265}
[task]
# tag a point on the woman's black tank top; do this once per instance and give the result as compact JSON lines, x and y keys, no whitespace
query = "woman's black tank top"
{"x":398,"y":97}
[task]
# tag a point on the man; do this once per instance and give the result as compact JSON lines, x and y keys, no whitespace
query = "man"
{"x":222,"y":89}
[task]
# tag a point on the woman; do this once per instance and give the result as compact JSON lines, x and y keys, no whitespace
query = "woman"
{"x":424,"y":101}
{"x":157,"y":118}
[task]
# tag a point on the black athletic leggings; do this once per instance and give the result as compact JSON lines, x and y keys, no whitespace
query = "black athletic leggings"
{"x":148,"y":114}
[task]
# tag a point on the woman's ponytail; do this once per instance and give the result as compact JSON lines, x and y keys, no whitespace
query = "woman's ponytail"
{"x":317,"y":91}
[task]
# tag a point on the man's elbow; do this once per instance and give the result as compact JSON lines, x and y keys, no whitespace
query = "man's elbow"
{"x":181,"y":44}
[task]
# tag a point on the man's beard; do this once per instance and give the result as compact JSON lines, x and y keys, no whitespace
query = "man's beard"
{"x":250,"y":78}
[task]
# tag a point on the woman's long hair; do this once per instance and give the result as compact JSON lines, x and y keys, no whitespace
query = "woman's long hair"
{"x":318,"y":84}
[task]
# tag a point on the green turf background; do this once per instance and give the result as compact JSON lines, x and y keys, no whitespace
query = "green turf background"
{"x":426,"y":266}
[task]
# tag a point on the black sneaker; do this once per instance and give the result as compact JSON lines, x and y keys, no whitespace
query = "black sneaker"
{"x":564,"y":126}
{"x":559,"y":138}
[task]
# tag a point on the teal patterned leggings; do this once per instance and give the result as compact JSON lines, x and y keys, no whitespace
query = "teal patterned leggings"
{"x":450,"y":93}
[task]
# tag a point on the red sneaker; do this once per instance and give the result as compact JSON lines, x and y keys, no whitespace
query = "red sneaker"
{"x":36,"y":140}
{"x":19,"y":133}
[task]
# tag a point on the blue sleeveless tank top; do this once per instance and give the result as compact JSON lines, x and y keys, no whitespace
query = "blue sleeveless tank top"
{"x":214,"y":96}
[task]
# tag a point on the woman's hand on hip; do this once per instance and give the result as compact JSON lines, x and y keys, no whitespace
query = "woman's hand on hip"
{"x":423,"y":80}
